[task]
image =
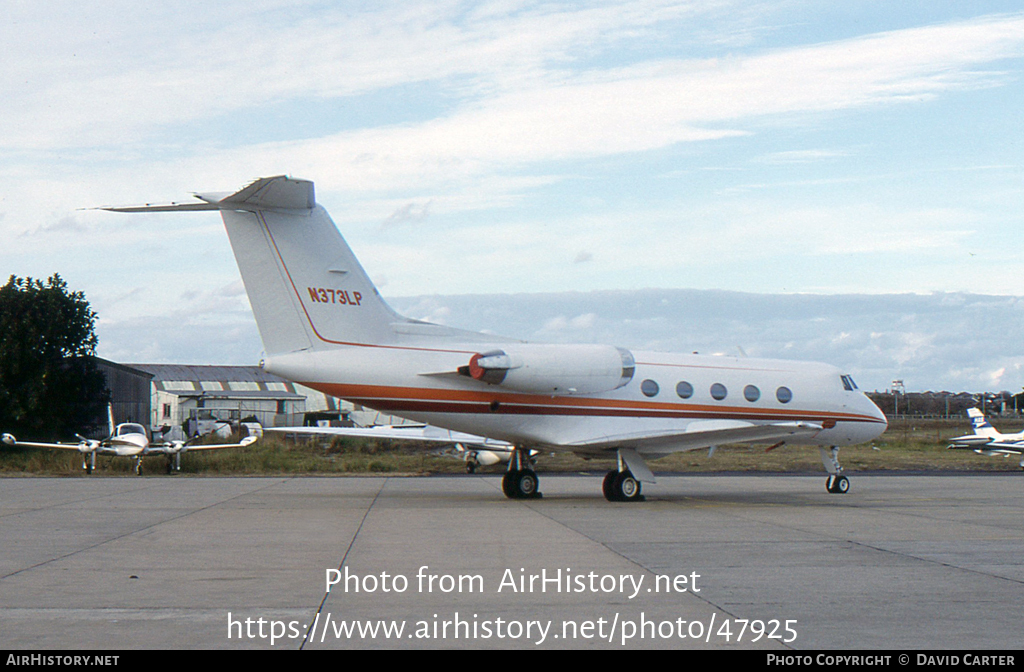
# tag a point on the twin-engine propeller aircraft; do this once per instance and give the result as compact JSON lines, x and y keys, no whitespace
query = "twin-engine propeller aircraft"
{"x":128,"y":439}
{"x":986,"y":440}
{"x":324,"y":325}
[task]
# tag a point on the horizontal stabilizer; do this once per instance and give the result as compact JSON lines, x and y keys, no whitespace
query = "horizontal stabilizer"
{"x":267,"y":193}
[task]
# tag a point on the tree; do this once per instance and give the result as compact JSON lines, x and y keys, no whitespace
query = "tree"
{"x":50,"y":385}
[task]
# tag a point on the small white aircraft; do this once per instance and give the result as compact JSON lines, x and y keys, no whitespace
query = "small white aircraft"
{"x":986,"y":440}
{"x":476,"y":451}
{"x":324,"y":325}
{"x":128,"y":439}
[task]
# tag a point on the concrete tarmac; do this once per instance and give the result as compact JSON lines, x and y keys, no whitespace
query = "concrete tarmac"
{"x":708,"y":562}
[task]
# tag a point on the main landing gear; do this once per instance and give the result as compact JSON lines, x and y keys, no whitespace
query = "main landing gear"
{"x":89,"y":462}
{"x":836,"y":483}
{"x":621,"y":486}
{"x":520,"y":481}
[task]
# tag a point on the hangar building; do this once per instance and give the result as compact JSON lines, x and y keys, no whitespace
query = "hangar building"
{"x":174,"y":395}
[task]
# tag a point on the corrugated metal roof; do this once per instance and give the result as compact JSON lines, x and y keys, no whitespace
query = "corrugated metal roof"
{"x":235,"y":394}
{"x":202,"y":372}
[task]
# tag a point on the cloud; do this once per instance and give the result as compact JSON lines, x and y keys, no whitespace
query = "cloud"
{"x":801,"y":156}
{"x":592,"y":120}
{"x":63,"y":226}
{"x":144,"y":74}
{"x":410,"y":212}
{"x":941,"y":341}
{"x":527,"y":100}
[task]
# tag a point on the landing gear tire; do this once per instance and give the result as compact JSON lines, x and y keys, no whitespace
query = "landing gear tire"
{"x":622,"y":486}
{"x":608,"y":487}
{"x":627,"y":487}
{"x":470,"y":467}
{"x":839,"y":485}
{"x":528,"y":484}
{"x":507,"y":485}
{"x":521,"y":484}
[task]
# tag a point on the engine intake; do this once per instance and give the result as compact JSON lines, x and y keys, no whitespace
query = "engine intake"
{"x":553,"y":369}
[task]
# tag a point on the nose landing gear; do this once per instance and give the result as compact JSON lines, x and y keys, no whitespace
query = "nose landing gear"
{"x":836,"y":483}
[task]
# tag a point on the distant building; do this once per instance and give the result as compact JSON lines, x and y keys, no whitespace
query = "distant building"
{"x":130,"y":395}
{"x":190,"y":398}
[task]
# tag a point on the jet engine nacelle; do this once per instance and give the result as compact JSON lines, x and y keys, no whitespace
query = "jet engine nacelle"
{"x":486,"y":458}
{"x":553,"y":369}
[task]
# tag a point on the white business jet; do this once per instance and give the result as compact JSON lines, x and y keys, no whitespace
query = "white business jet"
{"x":986,"y":440}
{"x":324,"y":325}
{"x":128,"y":439}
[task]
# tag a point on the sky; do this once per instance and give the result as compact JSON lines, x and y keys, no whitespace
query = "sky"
{"x":773,"y":153}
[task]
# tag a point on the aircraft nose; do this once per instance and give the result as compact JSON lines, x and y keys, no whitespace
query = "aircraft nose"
{"x":871,"y":408}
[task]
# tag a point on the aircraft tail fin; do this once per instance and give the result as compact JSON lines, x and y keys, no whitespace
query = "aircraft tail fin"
{"x":980,"y":424}
{"x":306,"y":287}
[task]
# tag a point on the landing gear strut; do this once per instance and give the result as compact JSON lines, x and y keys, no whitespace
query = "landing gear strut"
{"x":173,"y":463}
{"x":836,"y":483}
{"x":520,"y":481}
{"x":89,"y":462}
{"x":138,"y":466}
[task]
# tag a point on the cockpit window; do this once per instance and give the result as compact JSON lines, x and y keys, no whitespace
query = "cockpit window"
{"x":848,"y":384}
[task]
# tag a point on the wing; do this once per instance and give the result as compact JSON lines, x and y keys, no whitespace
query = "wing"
{"x":987,"y":445}
{"x":249,"y":440}
{"x":179,"y":447}
{"x":701,"y":434}
{"x":969,"y":441}
{"x":81,"y":446}
{"x":400,"y":433}
{"x":1005,"y":448}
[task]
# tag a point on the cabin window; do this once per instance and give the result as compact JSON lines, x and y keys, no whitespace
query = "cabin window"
{"x":684,"y":390}
{"x":784,"y":395}
{"x":751,"y":393}
{"x":719,"y":392}
{"x":649,"y":388}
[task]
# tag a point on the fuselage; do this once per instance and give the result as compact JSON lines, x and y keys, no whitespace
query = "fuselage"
{"x":128,"y":439}
{"x":667,"y":392}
